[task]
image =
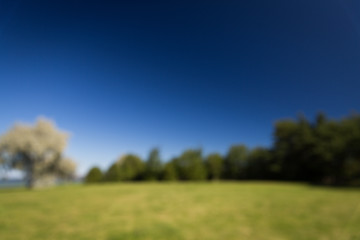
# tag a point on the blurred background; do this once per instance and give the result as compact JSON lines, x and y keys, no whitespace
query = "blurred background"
{"x":257,"y":101}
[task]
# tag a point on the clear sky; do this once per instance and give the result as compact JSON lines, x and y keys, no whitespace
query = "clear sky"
{"x":126,"y":76}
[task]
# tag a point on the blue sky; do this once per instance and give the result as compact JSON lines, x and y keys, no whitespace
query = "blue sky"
{"x":124,"y":77}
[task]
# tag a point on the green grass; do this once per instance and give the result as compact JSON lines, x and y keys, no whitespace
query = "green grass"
{"x":249,"y":210}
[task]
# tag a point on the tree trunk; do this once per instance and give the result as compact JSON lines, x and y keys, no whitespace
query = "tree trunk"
{"x":30,"y":180}
{"x":30,"y":183}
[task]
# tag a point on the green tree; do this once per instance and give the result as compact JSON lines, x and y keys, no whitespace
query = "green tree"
{"x":319,"y":152}
{"x":153,"y":165}
{"x":190,"y":166}
{"x":352,"y":171}
{"x":214,"y":165}
{"x":294,"y":142}
{"x":260,"y":164}
{"x":131,"y":167}
{"x":235,"y":162}
{"x":94,"y":175}
{"x":113,"y":174}
{"x":352,"y":161}
{"x":169,"y":172}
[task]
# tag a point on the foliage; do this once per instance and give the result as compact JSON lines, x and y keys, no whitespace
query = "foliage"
{"x":38,"y":151}
{"x":131,"y":167}
{"x":113,"y":173}
{"x":260,"y":164}
{"x":169,"y":172}
{"x":319,"y":152}
{"x":190,"y":166}
{"x":214,"y":165}
{"x":153,"y":166}
{"x":235,"y":162}
{"x":94,"y":175}
{"x":128,"y":168}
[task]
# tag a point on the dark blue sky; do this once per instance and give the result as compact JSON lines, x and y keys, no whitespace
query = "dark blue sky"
{"x":126,"y":76}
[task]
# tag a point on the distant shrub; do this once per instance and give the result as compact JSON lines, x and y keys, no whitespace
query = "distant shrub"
{"x":94,"y":175}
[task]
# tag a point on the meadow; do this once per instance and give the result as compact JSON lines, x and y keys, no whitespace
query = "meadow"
{"x":219,"y":210}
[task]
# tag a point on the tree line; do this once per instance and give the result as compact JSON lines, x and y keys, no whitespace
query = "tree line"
{"x":323,"y":151}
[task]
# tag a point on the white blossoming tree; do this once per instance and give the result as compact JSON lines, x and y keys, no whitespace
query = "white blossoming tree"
{"x":38,"y":151}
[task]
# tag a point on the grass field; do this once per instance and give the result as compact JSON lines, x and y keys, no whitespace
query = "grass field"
{"x":181,"y":211}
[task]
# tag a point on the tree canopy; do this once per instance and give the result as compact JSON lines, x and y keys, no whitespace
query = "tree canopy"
{"x":190,"y":165}
{"x":235,"y":162}
{"x":131,"y":167}
{"x":153,"y":165}
{"x":214,"y":166}
{"x":94,"y":175}
{"x":38,"y":151}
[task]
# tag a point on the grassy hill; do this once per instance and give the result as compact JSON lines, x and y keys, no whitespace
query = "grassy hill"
{"x":250,"y":210}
